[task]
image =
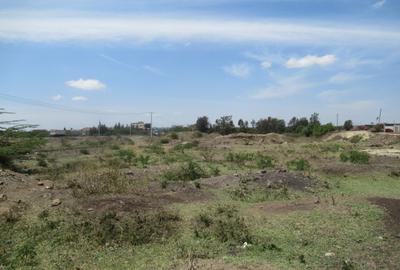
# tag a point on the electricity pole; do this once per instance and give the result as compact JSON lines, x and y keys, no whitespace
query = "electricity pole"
{"x":151,"y":125}
{"x":130,"y":129}
{"x":380,"y":115}
{"x":99,"y":133}
{"x":337,"y":120}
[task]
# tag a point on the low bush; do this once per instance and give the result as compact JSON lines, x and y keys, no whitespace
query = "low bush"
{"x":299,"y":165}
{"x":164,"y":141}
{"x":355,"y":156}
{"x":239,"y":158}
{"x":174,"y":136}
{"x":356,"y":139}
{"x":84,"y":151}
{"x":127,"y":155}
{"x":222,"y":223}
{"x":186,"y":145}
{"x":189,"y":171}
{"x":264,"y":161}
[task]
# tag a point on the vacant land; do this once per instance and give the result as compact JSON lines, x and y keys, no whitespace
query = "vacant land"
{"x":204,"y":201}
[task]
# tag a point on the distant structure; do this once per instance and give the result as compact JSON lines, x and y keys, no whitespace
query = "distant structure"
{"x":85,"y":131}
{"x":392,"y":127}
{"x":57,"y":132}
{"x":141,"y":125}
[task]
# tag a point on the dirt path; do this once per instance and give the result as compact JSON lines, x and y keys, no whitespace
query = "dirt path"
{"x":392,"y":207}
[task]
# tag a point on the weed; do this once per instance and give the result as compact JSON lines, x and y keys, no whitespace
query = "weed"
{"x":355,"y":156}
{"x":356,"y":139}
{"x":164,"y":141}
{"x":263,"y":161}
{"x":127,"y":155}
{"x":299,"y":165}
{"x":143,"y":160}
{"x":222,"y":223}
{"x":189,"y":171}
{"x":174,"y":136}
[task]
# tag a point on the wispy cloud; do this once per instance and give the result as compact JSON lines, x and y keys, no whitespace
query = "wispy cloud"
{"x":379,"y":4}
{"x":242,"y":70}
{"x":52,"y":27}
{"x":342,"y":77}
{"x":153,"y":70}
{"x":358,"y":105}
{"x":311,"y":60}
{"x":56,"y":97}
{"x":114,"y":60}
{"x":264,"y":60}
{"x":87,"y":85}
{"x":79,"y":98}
{"x":283,"y":87}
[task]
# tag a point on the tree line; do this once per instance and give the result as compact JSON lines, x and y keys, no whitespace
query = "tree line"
{"x":303,"y":126}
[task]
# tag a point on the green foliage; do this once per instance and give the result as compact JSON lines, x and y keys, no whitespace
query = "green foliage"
{"x":240,"y":158}
{"x":224,"y":125}
{"x":164,"y":141}
{"x":143,"y":160}
{"x":356,"y":139}
{"x":355,"y":156}
{"x":299,"y":165}
{"x":155,"y":148}
{"x":127,"y":155}
{"x":222,"y":223}
{"x":186,"y":145}
{"x":270,"y":125}
{"x":173,"y":136}
{"x":189,"y":171}
{"x":264,"y":161}
{"x":348,"y":125}
{"x":84,"y":152}
{"x":202,"y":124}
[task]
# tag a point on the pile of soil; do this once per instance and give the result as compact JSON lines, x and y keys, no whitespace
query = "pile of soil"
{"x":392,"y":207}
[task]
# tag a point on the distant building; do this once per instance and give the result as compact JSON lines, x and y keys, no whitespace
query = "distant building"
{"x":393,"y":128}
{"x":57,"y":132}
{"x":85,"y":131}
{"x":141,"y":125}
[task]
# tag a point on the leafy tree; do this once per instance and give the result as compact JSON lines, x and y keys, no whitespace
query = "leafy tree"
{"x":224,"y":125}
{"x":270,"y":125}
{"x":243,"y":125}
{"x":202,"y":124}
{"x":15,"y":142}
{"x":348,"y":125}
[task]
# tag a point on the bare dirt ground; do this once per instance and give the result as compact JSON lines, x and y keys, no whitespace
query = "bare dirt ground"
{"x":392,"y":207}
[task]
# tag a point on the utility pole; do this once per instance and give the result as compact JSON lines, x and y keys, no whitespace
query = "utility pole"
{"x":337,"y":120}
{"x":151,"y":125}
{"x":380,"y":115}
{"x":99,"y":133}
{"x":130,"y":129}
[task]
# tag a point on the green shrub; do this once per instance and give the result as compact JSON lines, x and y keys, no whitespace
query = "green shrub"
{"x":186,"y":145}
{"x":239,"y":158}
{"x":174,"y":136}
{"x":164,"y":141}
{"x":355,"y":156}
{"x":127,"y":155}
{"x":187,"y":172}
{"x":222,"y":223}
{"x":356,"y":139}
{"x":155,"y":148}
{"x":84,"y":152}
{"x":263,"y":161}
{"x":299,"y":165}
{"x":143,"y":160}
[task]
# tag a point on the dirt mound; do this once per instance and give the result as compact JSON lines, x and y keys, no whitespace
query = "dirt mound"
{"x":345,"y":135}
{"x":296,"y":181}
{"x":392,"y":207}
{"x":270,"y":138}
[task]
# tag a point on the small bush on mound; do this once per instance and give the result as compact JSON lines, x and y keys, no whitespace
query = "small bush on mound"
{"x":137,"y":229}
{"x":143,"y":160}
{"x":187,"y":145}
{"x":299,"y":165}
{"x":174,"y":136}
{"x":155,"y":148}
{"x":356,"y":139}
{"x":190,"y":171}
{"x":164,"y":141}
{"x":263,"y":161}
{"x":84,"y":152}
{"x":239,"y":158}
{"x":222,"y":223}
{"x":355,"y":156}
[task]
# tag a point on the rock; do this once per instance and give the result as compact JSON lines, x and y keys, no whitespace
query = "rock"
{"x":1,"y":183}
{"x":263,"y":171}
{"x":269,"y":184}
{"x":50,"y":186}
{"x":3,"y":197}
{"x":55,"y":202}
{"x":317,"y":201}
{"x":90,"y":209}
{"x":330,"y":254}
{"x":130,"y":173}
{"x":40,"y":183}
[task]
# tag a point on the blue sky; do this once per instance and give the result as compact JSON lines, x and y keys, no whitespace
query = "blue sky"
{"x":115,"y":60}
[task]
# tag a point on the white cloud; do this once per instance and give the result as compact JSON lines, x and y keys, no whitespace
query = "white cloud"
{"x":311,"y":60}
{"x":56,"y":97}
{"x":266,"y":64}
{"x":283,"y":87}
{"x":358,"y":105}
{"x":379,"y":4}
{"x":88,"y":85}
{"x":242,"y":70}
{"x":342,"y":77}
{"x":154,"y":70}
{"x":51,"y":26}
{"x":79,"y":98}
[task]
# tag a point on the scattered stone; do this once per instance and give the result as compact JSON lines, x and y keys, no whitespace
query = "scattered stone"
{"x":317,"y":200}
{"x":380,"y":237}
{"x":130,"y":173}
{"x":40,"y":183}
{"x":1,"y":183}
{"x":263,"y":171}
{"x":50,"y":186}
{"x":236,"y":175}
{"x":3,"y":197}
{"x":56,"y":202}
{"x":90,"y":209}
{"x":330,"y":254}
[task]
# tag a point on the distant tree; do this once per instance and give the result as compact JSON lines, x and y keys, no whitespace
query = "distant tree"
{"x":348,"y":125}
{"x":314,"y":120}
{"x":253,"y":123}
{"x":270,"y":125}
{"x":224,"y":125}
{"x":202,"y":124}
{"x":243,"y":125}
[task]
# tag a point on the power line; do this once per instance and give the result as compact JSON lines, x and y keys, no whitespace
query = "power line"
{"x":33,"y":102}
